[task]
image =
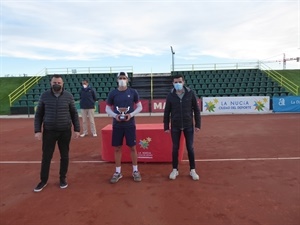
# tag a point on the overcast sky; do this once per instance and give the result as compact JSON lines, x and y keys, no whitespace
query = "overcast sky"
{"x":40,"y":34}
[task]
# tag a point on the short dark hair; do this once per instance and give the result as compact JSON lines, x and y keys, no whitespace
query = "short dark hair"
{"x":85,"y":80}
{"x":178,"y":76}
{"x":56,"y":76}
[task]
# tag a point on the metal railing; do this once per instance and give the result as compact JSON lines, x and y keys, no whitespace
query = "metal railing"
{"x":23,"y":88}
{"x":282,"y":81}
{"x":216,"y":66}
{"x":88,"y":70}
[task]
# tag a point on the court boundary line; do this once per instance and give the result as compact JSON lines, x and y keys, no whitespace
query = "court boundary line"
{"x":185,"y":160}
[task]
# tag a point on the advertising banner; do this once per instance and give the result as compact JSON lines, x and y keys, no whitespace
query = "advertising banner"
{"x":236,"y":105}
{"x":286,"y":104}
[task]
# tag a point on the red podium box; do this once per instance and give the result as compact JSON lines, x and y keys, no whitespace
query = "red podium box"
{"x":153,"y":144}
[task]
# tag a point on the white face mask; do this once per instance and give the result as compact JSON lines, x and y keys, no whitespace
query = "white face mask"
{"x":122,"y":83}
{"x":84,"y":86}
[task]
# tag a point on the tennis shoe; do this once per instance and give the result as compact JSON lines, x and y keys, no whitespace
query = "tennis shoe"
{"x":194,"y":175}
{"x":174,"y":174}
{"x":137,"y":176}
{"x":40,"y":186}
{"x":83,"y":135}
{"x":116,"y":177}
{"x":94,"y":135}
{"x":63,"y":183}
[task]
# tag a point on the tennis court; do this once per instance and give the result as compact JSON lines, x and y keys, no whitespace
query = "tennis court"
{"x":248,"y":165}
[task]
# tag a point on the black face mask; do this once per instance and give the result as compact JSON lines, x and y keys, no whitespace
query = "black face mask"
{"x":56,"y":87}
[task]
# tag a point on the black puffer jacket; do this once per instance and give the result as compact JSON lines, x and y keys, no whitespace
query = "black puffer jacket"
{"x":56,"y":113}
{"x":182,"y":111}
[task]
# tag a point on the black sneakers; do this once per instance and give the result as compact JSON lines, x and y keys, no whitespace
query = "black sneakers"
{"x":63,"y":183}
{"x":40,"y":187}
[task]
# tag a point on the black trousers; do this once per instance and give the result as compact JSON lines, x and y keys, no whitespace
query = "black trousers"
{"x":50,"y":138}
{"x":189,"y":141}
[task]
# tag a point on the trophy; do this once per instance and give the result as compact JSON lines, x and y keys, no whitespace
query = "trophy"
{"x":123,"y":111}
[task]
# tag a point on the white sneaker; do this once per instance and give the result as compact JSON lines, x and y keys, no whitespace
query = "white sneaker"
{"x":194,"y":175}
{"x":83,"y":135}
{"x":174,"y":174}
{"x":94,"y":135}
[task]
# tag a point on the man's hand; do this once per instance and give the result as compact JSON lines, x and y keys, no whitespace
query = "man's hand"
{"x":127,"y":116}
{"x":76,"y":134}
{"x":38,"y":136}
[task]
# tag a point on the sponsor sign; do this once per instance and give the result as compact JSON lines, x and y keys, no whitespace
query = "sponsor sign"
{"x":247,"y":104}
{"x":286,"y":104}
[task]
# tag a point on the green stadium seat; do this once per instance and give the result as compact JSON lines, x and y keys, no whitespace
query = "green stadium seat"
{"x":248,"y":91}
{"x":200,"y":92}
{"x":242,"y":91}
{"x":230,"y":85}
{"x":224,"y":85}
{"x":23,"y":103}
{"x":207,"y":92}
{"x":195,"y":81}
{"x":201,"y":81}
{"x":36,"y":97}
{"x":250,"y":84}
{"x":226,"y":80}
{"x":204,"y":86}
{"x":211,"y":86}
{"x":255,"y":91}
{"x":282,"y":89}
{"x":197,"y":86}
{"x":214,"y":92}
{"x":30,"y":97}
{"x":243,"y":85}
{"x":234,"y":91}
{"x":221,"y":91}
{"x":76,"y":96}
{"x":214,"y":81}
{"x":188,"y":82}
{"x":103,"y":95}
{"x":191,"y":86}
{"x":238,"y":80}
{"x":227,"y":91}
{"x":256,"y":84}
{"x":237,"y":85}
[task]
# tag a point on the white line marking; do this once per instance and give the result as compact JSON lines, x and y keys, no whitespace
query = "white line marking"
{"x":245,"y":159}
{"x":197,"y":160}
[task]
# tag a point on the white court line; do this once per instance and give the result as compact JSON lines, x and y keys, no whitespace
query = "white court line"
{"x":197,"y":160}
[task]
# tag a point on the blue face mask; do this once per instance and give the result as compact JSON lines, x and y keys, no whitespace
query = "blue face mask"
{"x":178,"y":86}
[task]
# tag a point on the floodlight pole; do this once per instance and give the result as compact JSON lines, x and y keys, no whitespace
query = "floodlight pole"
{"x":173,"y":53}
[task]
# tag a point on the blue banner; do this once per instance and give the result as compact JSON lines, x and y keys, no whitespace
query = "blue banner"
{"x":286,"y":104}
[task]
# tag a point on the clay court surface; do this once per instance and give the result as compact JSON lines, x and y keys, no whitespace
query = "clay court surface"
{"x":248,"y":165}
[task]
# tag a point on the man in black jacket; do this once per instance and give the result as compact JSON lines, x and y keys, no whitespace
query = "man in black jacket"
{"x":56,"y":111}
{"x":181,"y":104}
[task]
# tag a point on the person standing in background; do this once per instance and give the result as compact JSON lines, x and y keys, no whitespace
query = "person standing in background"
{"x":88,"y":97}
{"x":182,"y":106}
{"x":120,"y":105}
{"x":56,"y":112}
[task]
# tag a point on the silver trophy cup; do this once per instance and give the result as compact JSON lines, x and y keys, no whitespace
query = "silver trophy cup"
{"x":123,"y":111}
